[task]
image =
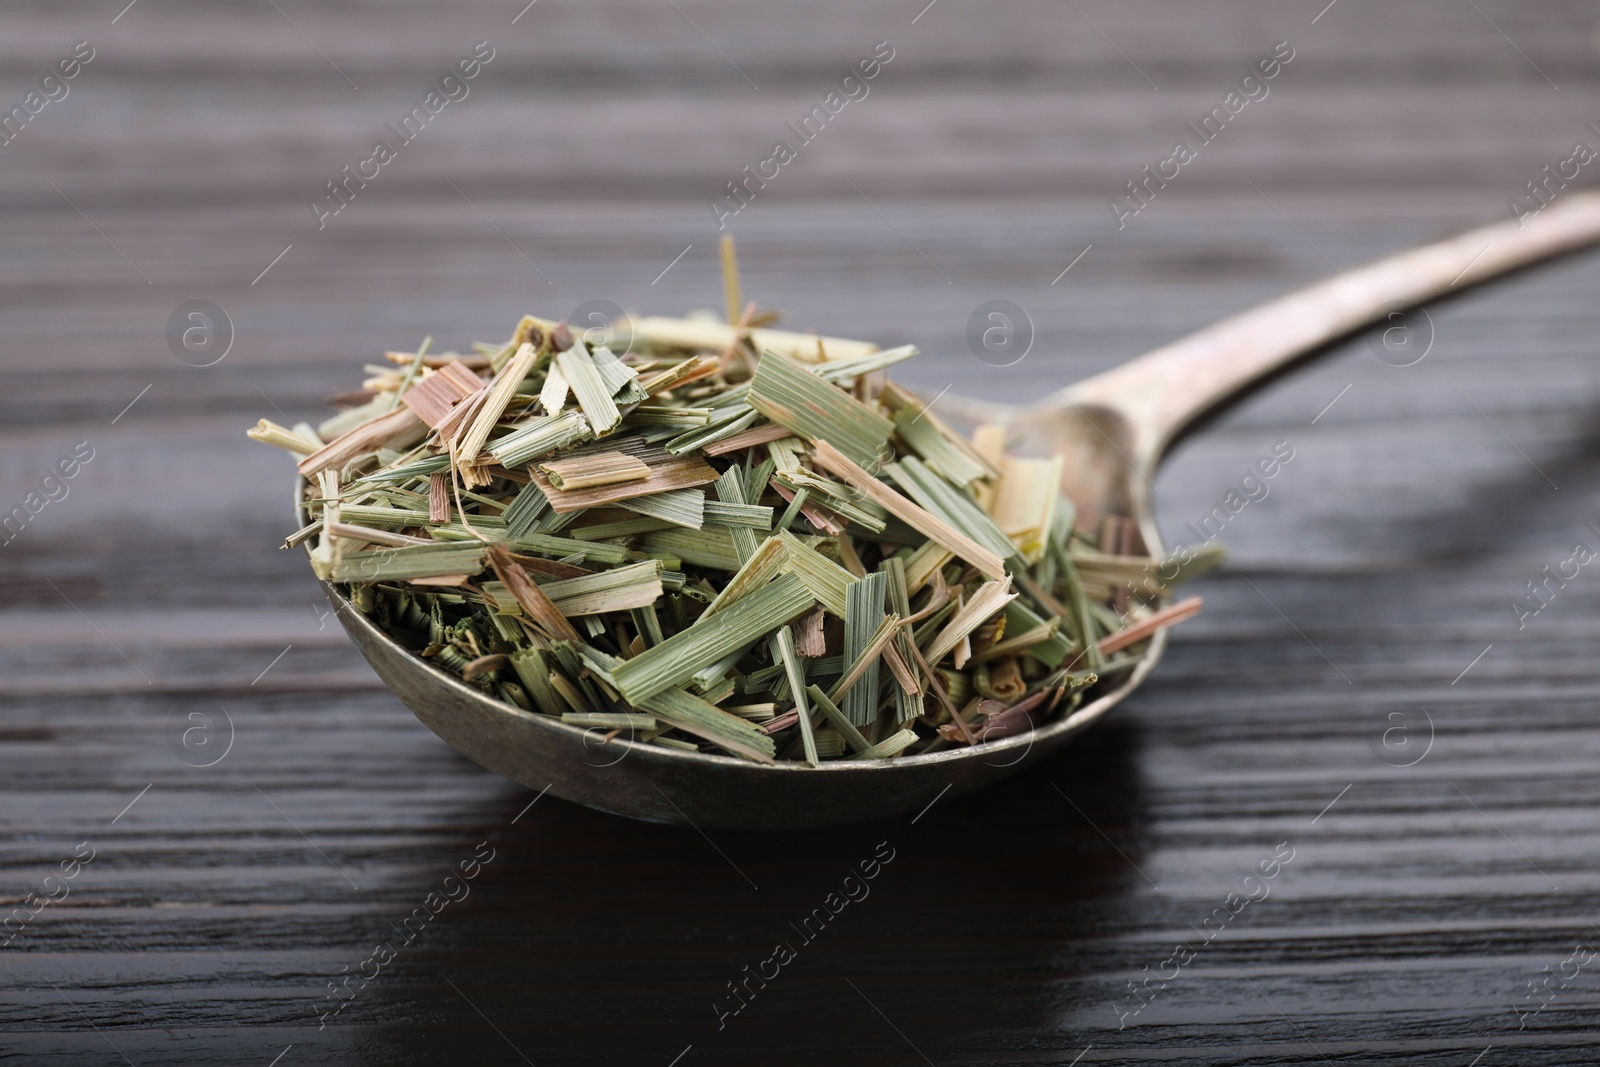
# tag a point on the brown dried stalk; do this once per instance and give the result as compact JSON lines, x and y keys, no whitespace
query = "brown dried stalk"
{"x":836,"y":462}
{"x":535,"y":605}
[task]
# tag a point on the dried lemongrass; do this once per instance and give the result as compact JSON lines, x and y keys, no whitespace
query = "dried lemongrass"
{"x":817,"y":411}
{"x":533,"y":601}
{"x":539,"y":438}
{"x":726,"y":539}
{"x":868,"y":656}
{"x":891,"y":746}
{"x":673,"y":661}
{"x":674,"y":507}
{"x":408,"y":563}
{"x":939,"y":446}
{"x":590,"y":390}
{"x":911,"y":514}
{"x":1169,"y":616}
{"x":663,"y":476}
{"x":989,"y":599}
{"x":704,"y":335}
{"x":434,"y":396}
{"x":637,"y":585}
{"x":270,"y":433}
{"x":499,"y":394}
{"x":1025,"y":501}
{"x":689,"y":370}
{"x":701,"y":719}
{"x":596,"y":468}
{"x":934,"y":493}
{"x":553,"y":396}
{"x":396,"y":429}
{"x":841,"y":722}
{"x":864,"y":614}
{"x":374,"y":537}
{"x":783,"y":646}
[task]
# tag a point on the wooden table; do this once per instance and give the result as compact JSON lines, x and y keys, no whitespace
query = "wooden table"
{"x":1359,"y":689}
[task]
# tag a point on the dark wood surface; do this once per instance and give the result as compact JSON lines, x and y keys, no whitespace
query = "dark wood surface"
{"x":1421,"y":899}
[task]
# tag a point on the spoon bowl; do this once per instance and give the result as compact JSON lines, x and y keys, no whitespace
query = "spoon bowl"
{"x":1113,"y":429}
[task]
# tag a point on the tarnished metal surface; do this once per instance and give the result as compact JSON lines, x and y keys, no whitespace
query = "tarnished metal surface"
{"x":669,"y":786}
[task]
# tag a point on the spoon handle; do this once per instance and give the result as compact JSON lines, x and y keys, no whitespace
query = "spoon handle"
{"x":1164,"y":391}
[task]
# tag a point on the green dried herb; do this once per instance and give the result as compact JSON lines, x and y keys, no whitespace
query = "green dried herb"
{"x":779,"y":554}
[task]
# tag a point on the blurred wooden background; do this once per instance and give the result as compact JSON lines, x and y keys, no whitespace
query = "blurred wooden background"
{"x":1377,"y":577}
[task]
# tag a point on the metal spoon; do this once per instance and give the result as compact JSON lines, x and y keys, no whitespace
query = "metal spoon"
{"x":1114,"y":429}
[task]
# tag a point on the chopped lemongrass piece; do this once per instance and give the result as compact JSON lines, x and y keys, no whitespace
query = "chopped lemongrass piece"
{"x":760,"y":435}
{"x":794,"y":397}
{"x":680,"y":507}
{"x":439,"y":497}
{"x":637,"y":585}
{"x":753,"y":712}
{"x":868,"y":657}
{"x":694,"y":716}
{"x":596,"y":468}
{"x":783,"y":645}
{"x":796,"y":502}
{"x":665,"y":475}
{"x":702,"y":335}
{"x":722,"y":425}
{"x":771,"y":558}
{"x":989,"y":599}
{"x":395,"y":429}
{"x":1018,"y":642}
{"x":1024,"y":503}
{"x":539,"y":438}
{"x":589,"y":388}
{"x":689,"y":370}
{"x":1169,"y":616}
{"x":897,"y":599}
{"x":664,"y":415}
{"x":553,"y":396}
{"x":730,"y":488}
{"x":1022,"y":620}
{"x":950,"y":504}
{"x":534,"y":603}
{"x":270,"y":433}
{"x":621,"y":379}
{"x":840,"y":721}
{"x":565,"y":547}
{"x":863,"y":616}
{"x":939,"y":446}
{"x":407,"y":563}
{"x":754,"y":517}
{"x":711,"y":548}
{"x":678,"y":657}
{"x":499,"y":394}
{"x":958,"y":543}
{"x":836,"y":369}
{"x":434,"y":396}
{"x":525,"y":510}
{"x":379,"y":515}
{"x":826,"y":580}
{"x":371,"y":536}
{"x":890,"y":746}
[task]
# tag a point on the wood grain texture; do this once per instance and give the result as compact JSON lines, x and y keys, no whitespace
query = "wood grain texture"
{"x":1384,"y":559}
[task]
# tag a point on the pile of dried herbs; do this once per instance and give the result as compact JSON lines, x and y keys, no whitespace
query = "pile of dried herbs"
{"x":724,"y":539}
